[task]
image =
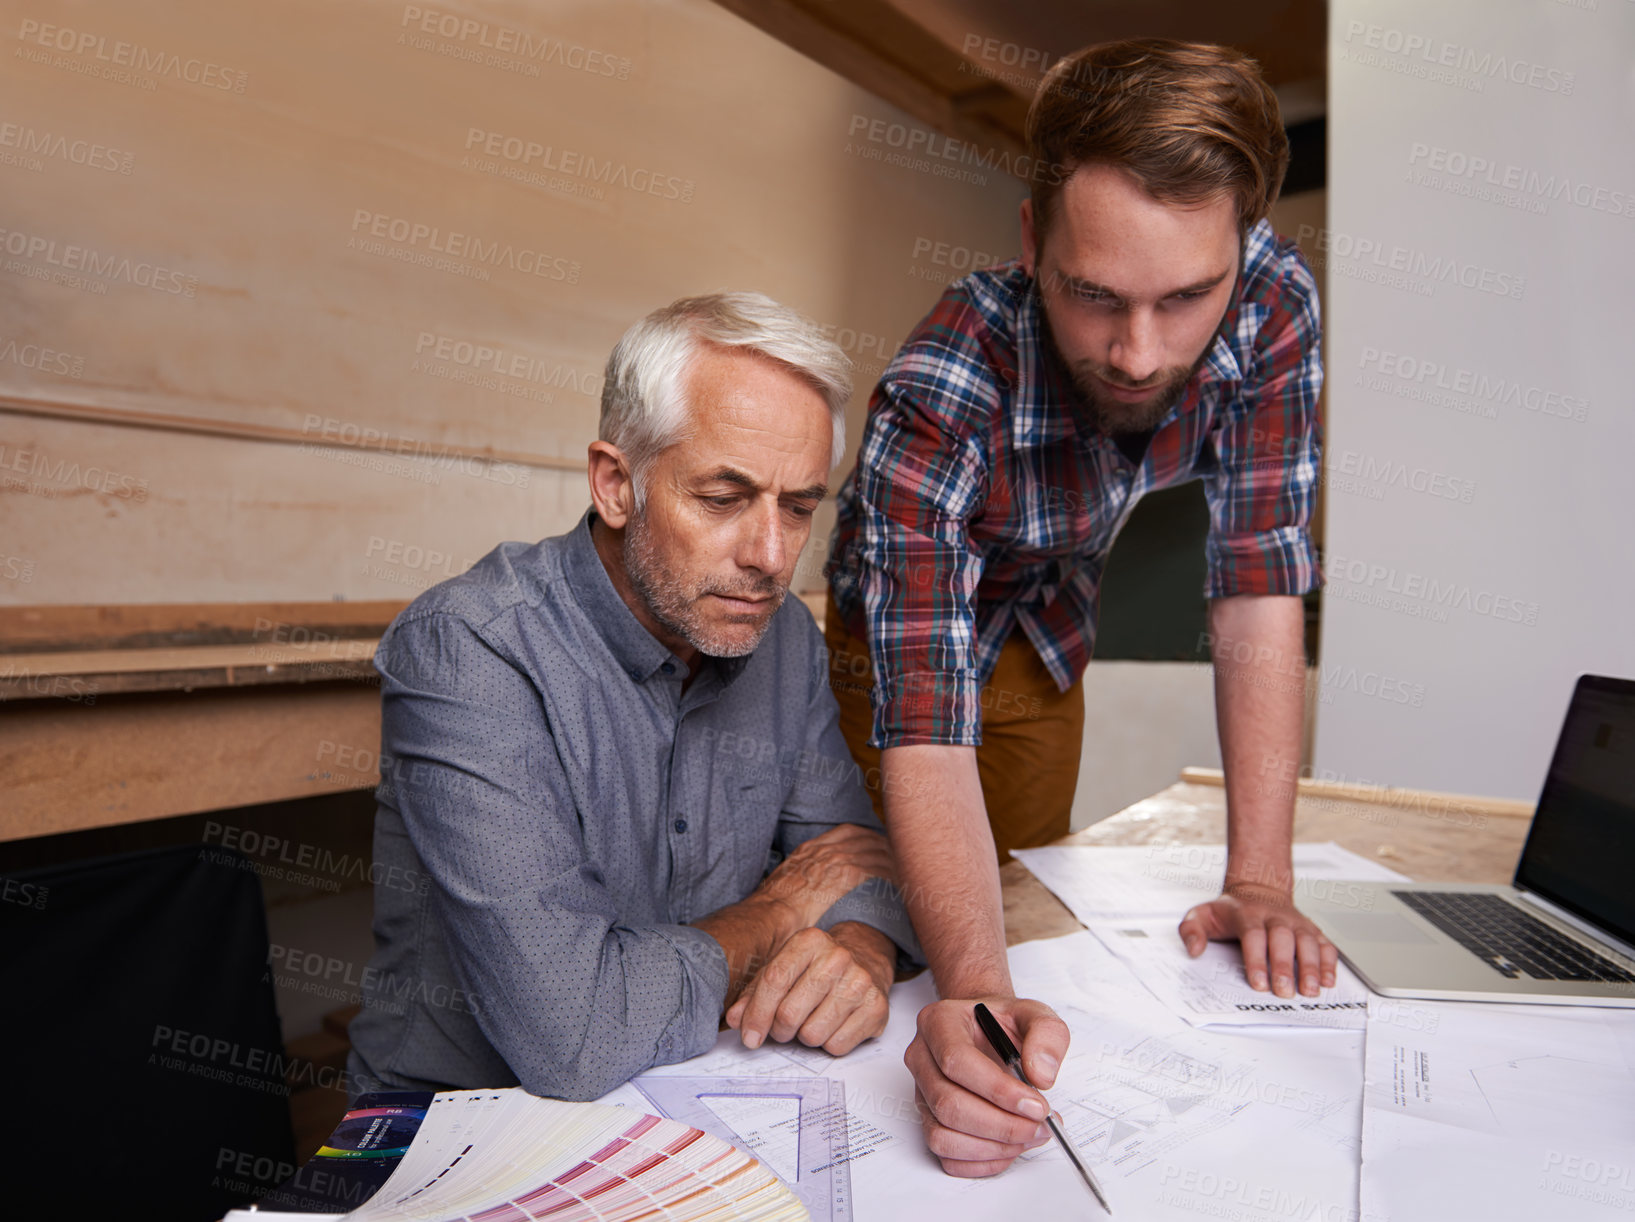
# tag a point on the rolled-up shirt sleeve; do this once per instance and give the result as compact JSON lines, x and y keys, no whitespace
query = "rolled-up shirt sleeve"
{"x":1269,"y":447}
{"x":917,"y":487}
{"x":574,"y":999}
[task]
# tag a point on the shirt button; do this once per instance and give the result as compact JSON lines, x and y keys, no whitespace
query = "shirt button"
{"x":636,"y":675}
{"x":681,"y":825}
{"x":668,"y":668}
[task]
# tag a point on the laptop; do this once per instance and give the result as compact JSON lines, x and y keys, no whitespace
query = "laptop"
{"x":1563,"y":931}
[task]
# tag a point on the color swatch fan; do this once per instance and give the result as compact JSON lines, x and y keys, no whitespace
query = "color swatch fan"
{"x":508,"y":1156}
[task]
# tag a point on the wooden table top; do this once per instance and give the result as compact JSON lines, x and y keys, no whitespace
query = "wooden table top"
{"x":1440,"y":837}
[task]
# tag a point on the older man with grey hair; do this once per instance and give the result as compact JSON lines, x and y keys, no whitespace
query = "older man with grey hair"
{"x":610,"y":759}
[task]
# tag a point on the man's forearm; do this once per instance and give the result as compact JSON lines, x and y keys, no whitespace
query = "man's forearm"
{"x":946,"y":865}
{"x":750,"y":933}
{"x":1260,"y":692}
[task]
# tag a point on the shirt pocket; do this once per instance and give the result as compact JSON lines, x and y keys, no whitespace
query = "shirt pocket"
{"x":746,"y":812}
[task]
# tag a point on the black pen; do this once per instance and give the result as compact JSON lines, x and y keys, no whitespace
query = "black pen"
{"x":1013,"y":1060}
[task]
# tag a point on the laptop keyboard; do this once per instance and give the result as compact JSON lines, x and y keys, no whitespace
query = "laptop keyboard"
{"x":1508,"y":939}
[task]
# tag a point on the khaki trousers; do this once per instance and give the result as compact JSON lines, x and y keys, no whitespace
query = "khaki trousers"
{"x":1032,"y":735}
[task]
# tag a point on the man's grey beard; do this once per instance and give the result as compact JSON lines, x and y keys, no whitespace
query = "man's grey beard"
{"x":674,"y":606}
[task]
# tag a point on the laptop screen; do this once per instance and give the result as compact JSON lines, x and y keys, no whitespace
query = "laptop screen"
{"x":1580,"y":850}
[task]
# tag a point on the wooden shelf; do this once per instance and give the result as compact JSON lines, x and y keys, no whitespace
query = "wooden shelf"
{"x":83,"y":674}
{"x":218,"y":705}
{"x":74,"y":627}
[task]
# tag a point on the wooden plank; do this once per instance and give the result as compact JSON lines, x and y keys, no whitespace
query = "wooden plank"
{"x":67,"y":766}
{"x":877,"y":48}
{"x":1031,"y":909}
{"x":64,"y":409}
{"x":1387,"y":795}
{"x":197,"y":657}
{"x":1441,"y":843}
{"x":168,"y":625}
{"x":85,"y":674}
{"x":18,"y":684}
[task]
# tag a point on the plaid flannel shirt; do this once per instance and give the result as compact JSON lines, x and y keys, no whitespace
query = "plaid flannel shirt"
{"x":983,"y":500}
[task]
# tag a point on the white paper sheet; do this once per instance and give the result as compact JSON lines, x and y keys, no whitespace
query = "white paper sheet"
{"x":1174,"y":1121}
{"x":1212,"y":991}
{"x":1498,"y":1112}
{"x":1113,"y":882}
{"x":1180,"y":1121}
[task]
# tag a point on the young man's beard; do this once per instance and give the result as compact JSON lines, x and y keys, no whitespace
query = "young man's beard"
{"x":675,"y":606}
{"x":1115,"y":417}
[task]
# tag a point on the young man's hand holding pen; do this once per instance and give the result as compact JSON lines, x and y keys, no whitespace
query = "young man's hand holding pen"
{"x":978,"y":1117}
{"x":1002,"y":1045}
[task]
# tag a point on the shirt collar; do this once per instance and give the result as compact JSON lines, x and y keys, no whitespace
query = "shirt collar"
{"x":638,"y":652}
{"x":1221,"y":365}
{"x":1041,"y":411}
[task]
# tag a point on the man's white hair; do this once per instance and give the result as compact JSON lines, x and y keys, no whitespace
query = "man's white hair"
{"x":644,"y":408}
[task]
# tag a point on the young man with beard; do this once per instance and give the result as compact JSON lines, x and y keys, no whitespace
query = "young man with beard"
{"x":610,"y":760}
{"x":1153,"y":331}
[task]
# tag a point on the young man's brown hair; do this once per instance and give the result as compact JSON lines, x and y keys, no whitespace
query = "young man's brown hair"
{"x":1189,"y":120}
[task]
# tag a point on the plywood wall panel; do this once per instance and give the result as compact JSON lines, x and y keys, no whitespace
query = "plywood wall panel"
{"x":341,"y":377}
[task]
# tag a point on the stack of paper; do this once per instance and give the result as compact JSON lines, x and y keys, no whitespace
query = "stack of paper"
{"x":1212,"y":991}
{"x":1133,"y":899}
{"x":1106,"y":882}
{"x":506,"y":1154}
{"x":1175,"y":1121}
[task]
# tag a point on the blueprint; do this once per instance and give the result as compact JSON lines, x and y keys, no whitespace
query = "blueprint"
{"x":1501,"y":1112}
{"x":1165,"y":1111}
{"x":1212,"y":990}
{"x":1102,"y":882}
{"x":1174,"y":1120}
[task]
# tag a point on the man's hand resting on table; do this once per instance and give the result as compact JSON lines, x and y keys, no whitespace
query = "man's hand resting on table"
{"x":1275,"y":936}
{"x":826,"y":989}
{"x":788,"y":979}
{"x":977,"y":1117}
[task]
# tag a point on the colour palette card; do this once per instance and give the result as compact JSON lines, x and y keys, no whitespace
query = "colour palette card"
{"x":508,"y":1156}
{"x":360,"y":1156}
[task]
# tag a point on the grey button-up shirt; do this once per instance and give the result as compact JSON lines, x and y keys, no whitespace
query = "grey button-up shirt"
{"x":554,"y":809}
